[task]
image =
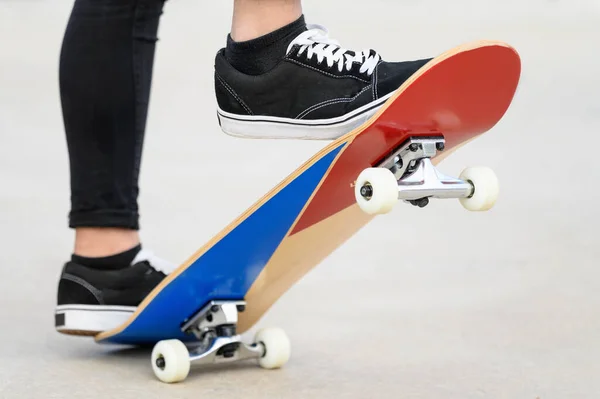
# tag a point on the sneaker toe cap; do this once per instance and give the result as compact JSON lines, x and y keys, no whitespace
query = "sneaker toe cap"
{"x":391,"y":75}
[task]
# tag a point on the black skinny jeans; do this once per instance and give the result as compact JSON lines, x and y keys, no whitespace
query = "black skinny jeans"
{"x":106,"y":65}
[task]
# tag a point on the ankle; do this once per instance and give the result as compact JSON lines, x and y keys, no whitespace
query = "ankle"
{"x":252,"y":19}
{"x":95,"y":242}
{"x":261,"y":54}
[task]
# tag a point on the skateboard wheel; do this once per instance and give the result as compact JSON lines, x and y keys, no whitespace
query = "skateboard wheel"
{"x":171,"y":361}
{"x":376,"y":191}
{"x":276,"y":345}
{"x":486,"y":188}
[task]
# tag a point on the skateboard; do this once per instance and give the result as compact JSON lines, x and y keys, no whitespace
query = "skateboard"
{"x":197,"y":315}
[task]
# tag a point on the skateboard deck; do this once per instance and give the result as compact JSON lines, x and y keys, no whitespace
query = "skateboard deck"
{"x":458,"y":95}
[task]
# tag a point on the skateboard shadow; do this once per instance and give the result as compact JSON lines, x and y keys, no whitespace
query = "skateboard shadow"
{"x":139,"y":357}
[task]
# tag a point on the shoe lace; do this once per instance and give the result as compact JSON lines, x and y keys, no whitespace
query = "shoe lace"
{"x":316,"y":41}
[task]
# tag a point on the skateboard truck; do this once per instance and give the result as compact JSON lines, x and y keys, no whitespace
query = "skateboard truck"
{"x":214,"y":326}
{"x":408,"y":174}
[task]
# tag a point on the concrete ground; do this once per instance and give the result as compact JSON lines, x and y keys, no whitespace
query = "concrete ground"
{"x":434,"y":303}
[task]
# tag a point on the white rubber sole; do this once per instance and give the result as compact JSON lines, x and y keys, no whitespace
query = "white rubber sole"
{"x":91,"y":318}
{"x":265,"y":127}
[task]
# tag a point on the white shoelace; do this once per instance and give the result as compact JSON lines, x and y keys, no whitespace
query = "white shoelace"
{"x":316,"y":41}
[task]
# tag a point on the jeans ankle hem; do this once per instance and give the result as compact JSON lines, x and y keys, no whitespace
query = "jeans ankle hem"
{"x":105,"y":218}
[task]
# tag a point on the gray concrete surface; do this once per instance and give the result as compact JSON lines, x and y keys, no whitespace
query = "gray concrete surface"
{"x":435,"y":303}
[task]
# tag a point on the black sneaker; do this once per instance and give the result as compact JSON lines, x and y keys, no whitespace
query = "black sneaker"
{"x":92,"y":299}
{"x":318,"y":90}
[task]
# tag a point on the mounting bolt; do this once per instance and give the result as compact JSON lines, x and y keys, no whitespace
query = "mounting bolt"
{"x":366,"y":191}
{"x":440,"y":146}
{"x":241,"y":308}
{"x":214,"y":308}
{"x":413,"y":147}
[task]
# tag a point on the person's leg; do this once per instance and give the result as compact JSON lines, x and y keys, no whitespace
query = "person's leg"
{"x":105,"y":76}
{"x":274,"y":68}
{"x":279,"y":78}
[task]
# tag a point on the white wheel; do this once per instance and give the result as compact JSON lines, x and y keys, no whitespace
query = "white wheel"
{"x":171,"y":361}
{"x":376,"y":191}
{"x":486,"y":188}
{"x":276,"y":345}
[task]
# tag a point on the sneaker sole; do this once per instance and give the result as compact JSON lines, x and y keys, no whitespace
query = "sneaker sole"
{"x":89,"y":320}
{"x":264,"y":127}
